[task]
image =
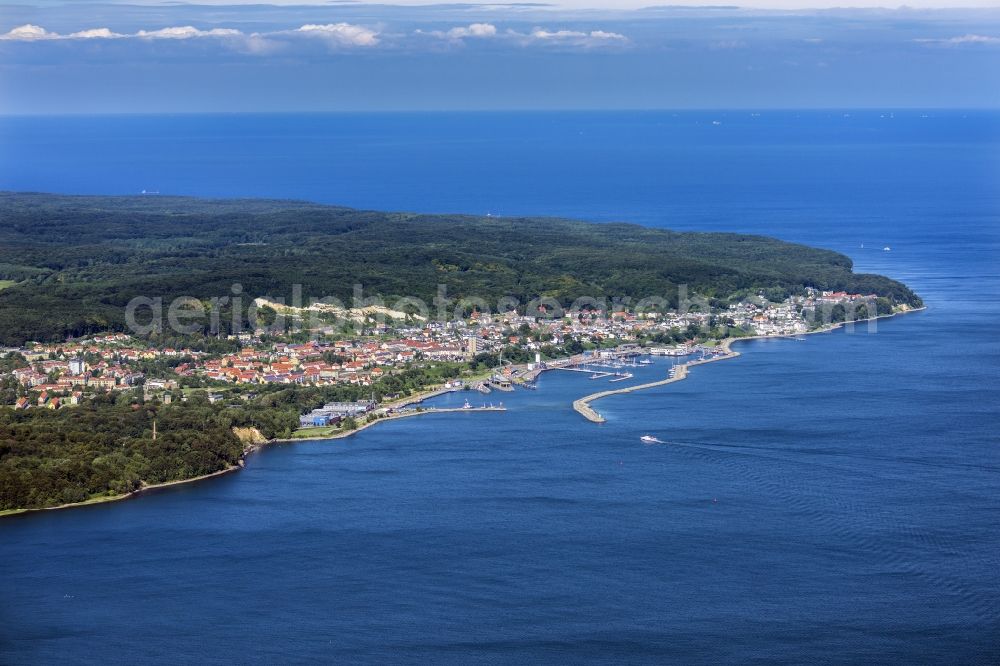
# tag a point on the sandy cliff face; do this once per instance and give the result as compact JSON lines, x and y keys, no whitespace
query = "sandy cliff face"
{"x":249,"y":436}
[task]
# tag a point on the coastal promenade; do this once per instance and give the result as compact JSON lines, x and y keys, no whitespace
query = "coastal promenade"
{"x":340,"y":434}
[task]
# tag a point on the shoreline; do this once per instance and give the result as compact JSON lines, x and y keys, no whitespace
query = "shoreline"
{"x":391,"y":417}
{"x":581,"y":405}
{"x":253,"y":448}
{"x":124,"y":496}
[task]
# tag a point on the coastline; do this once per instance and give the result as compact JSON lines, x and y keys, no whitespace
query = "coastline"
{"x":124,"y":496}
{"x":253,"y":448}
{"x":391,"y":417}
{"x":581,"y":405}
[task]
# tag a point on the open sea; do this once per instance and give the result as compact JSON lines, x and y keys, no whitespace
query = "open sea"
{"x":832,"y":500}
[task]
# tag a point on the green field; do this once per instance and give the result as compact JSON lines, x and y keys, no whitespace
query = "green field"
{"x":306,"y":433}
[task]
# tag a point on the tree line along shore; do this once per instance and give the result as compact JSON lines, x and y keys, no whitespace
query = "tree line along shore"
{"x":249,"y":438}
{"x":84,"y":423}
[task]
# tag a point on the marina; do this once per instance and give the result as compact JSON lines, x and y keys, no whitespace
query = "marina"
{"x":674,"y":374}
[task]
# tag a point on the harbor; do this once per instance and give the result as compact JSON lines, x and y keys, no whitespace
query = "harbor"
{"x":676,"y":373}
{"x":306,"y":434}
{"x":605,"y":364}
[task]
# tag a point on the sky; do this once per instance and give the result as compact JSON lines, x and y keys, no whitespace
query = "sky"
{"x":604,"y":4}
{"x":116,"y":57}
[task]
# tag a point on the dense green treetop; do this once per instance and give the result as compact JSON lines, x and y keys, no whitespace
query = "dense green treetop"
{"x":78,"y":260}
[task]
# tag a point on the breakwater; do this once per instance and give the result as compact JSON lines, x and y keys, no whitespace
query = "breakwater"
{"x":583,"y":405}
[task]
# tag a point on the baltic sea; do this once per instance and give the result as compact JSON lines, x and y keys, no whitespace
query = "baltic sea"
{"x":835,"y":499}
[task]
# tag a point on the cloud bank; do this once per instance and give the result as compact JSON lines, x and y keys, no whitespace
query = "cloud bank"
{"x":333,"y":35}
{"x":534,"y":37}
{"x":183,"y":32}
{"x":963,"y":39}
{"x":343,"y":34}
{"x":29,"y":33}
{"x":474,"y":30}
{"x":574,"y":35}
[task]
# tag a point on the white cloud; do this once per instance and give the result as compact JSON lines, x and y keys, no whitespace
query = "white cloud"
{"x":32,"y":33}
{"x":95,"y":33}
{"x":332,"y":34}
{"x":594,"y":38}
{"x":539,"y":33}
{"x":538,"y":36}
{"x":234,"y":39}
{"x":187,"y":32}
{"x":258,"y":44}
{"x":344,"y":34}
{"x":476,"y":30}
{"x":458,"y":34}
{"x":611,"y":36}
{"x":473,"y":30}
{"x":964,"y":39}
{"x":29,"y":33}
{"x":574,"y":35}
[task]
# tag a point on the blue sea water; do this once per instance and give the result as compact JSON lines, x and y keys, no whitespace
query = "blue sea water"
{"x":835,"y":499}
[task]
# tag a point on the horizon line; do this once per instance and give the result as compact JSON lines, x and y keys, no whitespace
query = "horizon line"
{"x":691,"y":109}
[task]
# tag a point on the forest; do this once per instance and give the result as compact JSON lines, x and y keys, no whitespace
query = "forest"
{"x":71,"y":263}
{"x":105,"y":446}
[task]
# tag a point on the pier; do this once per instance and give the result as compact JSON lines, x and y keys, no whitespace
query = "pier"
{"x":621,"y":378}
{"x":384,"y":416}
{"x":594,"y":374}
{"x":447,"y":410}
{"x":677,"y":373}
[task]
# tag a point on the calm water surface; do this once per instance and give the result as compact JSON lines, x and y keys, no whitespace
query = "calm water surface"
{"x":834,"y":499}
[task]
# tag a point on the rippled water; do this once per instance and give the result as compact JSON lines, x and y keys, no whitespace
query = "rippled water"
{"x":833,"y":499}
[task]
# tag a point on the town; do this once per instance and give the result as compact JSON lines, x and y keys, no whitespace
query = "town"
{"x":55,"y":375}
